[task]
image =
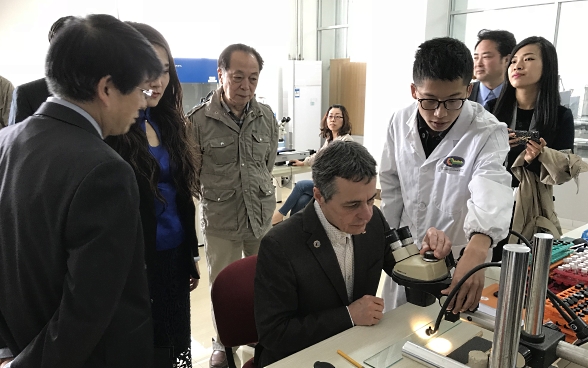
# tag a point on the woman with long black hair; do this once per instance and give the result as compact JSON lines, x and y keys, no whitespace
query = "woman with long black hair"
{"x":164,"y":159}
{"x":530,"y":103}
{"x":335,"y":126}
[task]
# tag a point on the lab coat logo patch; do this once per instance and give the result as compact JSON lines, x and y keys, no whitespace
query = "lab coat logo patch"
{"x":454,"y":161}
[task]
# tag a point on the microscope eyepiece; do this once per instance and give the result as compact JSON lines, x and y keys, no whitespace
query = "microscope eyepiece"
{"x":392,"y":239}
{"x":405,"y":235}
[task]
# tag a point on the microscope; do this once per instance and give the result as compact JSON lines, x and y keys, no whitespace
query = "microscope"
{"x":282,"y":136}
{"x":519,"y":340}
{"x":423,"y":276}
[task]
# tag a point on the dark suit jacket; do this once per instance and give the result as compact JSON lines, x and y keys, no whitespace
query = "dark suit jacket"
{"x":74,"y":288}
{"x":475,"y":90}
{"x":26,"y":99}
{"x":300,"y":294}
{"x":562,"y":138}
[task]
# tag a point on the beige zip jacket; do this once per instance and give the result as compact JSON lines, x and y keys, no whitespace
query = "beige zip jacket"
{"x":534,"y":208}
{"x":238,"y":193}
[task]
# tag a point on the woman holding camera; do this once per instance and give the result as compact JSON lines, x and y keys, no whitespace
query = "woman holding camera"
{"x":541,"y":133}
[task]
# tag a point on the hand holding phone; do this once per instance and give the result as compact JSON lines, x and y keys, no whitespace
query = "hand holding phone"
{"x":525,"y":136}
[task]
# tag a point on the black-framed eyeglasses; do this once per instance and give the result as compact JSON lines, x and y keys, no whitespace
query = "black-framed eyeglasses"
{"x":334,"y":117}
{"x":146,"y":92}
{"x":432,"y":104}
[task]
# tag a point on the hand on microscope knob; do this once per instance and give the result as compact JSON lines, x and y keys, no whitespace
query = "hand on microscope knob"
{"x":296,"y":163}
{"x":437,"y":241}
{"x":470,"y":292}
{"x":366,"y":311}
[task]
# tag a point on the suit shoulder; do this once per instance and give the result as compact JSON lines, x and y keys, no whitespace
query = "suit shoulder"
{"x":33,"y":85}
{"x":288,"y":233}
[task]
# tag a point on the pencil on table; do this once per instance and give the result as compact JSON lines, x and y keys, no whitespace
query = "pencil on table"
{"x":349,"y":359}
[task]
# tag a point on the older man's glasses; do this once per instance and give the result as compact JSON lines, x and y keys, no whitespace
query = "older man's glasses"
{"x":432,"y":104}
{"x":146,"y":92}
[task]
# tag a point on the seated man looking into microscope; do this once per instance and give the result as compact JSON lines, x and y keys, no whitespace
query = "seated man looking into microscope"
{"x":318,"y":273}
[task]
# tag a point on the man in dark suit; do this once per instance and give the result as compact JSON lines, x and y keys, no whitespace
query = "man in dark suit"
{"x":74,"y":287}
{"x":28,"y":97}
{"x":317,"y":272}
{"x":491,"y":58}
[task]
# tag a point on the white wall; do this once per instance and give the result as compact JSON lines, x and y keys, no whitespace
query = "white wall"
{"x":385,"y":35}
{"x":195,"y":28}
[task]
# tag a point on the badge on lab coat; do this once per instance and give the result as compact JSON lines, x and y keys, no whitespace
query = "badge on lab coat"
{"x":453,"y":165}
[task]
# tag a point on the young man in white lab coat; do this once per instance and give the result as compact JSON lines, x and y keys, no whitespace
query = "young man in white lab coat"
{"x":442,"y":171}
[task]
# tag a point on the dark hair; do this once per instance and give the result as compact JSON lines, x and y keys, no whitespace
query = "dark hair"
{"x":445,"y":59}
{"x":224,"y":59}
{"x":168,"y":114}
{"x":345,"y":128}
{"x":505,"y":41}
{"x":91,"y":48}
{"x":55,"y":27}
{"x":548,"y":99}
{"x":342,"y":159}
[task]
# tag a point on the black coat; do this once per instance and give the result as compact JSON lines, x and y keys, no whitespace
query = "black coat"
{"x":561,"y":139}
{"x":74,"y":288}
{"x":26,"y":99}
{"x":300,"y":294}
{"x":475,"y":90}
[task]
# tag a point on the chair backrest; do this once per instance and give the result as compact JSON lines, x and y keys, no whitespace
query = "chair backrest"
{"x":232,"y":301}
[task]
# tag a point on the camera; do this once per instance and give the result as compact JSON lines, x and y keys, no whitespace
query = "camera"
{"x":525,"y":136}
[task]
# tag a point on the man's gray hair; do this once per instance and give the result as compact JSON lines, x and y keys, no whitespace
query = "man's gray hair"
{"x":342,"y":159}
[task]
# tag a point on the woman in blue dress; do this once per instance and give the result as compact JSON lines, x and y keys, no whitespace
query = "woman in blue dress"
{"x":164,"y":159}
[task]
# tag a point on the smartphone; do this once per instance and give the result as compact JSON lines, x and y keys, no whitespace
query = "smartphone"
{"x":525,"y":136}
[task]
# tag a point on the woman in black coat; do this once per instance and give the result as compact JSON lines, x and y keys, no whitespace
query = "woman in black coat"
{"x":530,"y":102}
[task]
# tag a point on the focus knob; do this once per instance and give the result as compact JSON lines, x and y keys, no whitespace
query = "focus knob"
{"x":429,"y":256}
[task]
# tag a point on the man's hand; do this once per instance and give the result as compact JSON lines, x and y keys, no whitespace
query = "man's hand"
{"x":437,"y":241}
{"x":193,"y":282}
{"x":470,"y":292}
{"x":4,"y":362}
{"x":534,"y":149}
{"x":366,"y":311}
{"x":296,"y":163}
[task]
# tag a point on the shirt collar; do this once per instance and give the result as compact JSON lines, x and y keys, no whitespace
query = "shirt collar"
{"x":77,"y":109}
{"x":335,"y":235}
{"x":424,"y":128}
{"x":484,"y":91}
{"x":228,"y":109}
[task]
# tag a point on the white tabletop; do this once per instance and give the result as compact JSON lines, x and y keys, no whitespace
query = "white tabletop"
{"x":397,"y":326}
{"x":362,"y":342}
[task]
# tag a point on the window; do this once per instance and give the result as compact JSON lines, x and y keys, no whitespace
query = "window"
{"x":562,"y":22}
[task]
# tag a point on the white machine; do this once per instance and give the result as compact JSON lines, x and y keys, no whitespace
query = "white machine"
{"x":301,"y":101}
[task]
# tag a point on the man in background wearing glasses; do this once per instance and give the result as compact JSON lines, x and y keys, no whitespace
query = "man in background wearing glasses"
{"x":442,"y":171}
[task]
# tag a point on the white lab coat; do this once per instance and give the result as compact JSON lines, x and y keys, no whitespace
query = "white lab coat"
{"x":437,"y":191}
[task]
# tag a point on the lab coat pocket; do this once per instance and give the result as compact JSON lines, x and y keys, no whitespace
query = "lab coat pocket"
{"x":451,"y":192}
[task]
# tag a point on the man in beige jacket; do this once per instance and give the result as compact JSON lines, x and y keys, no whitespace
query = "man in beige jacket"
{"x":6,"y":89}
{"x":238,"y":140}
